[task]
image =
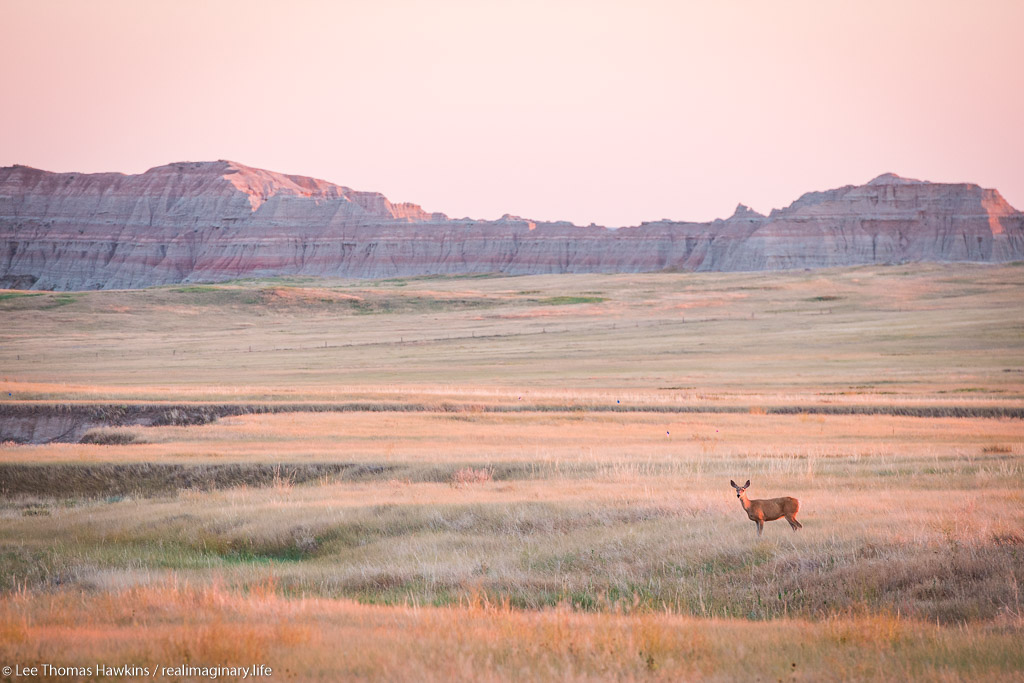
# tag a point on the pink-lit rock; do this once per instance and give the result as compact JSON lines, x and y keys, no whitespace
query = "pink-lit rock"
{"x":210,"y":221}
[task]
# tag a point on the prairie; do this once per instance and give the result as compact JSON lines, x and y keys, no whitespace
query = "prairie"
{"x":525,"y":477}
{"x":944,"y":334}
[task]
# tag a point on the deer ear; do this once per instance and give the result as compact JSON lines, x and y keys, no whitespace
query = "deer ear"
{"x":747,"y":484}
{"x":733,"y":484}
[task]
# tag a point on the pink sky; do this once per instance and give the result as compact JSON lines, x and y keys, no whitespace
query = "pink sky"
{"x":611,"y":112}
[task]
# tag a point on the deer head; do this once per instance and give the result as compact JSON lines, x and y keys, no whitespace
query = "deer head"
{"x":739,"y":489}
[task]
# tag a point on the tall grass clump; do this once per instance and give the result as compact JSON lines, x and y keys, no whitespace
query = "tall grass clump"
{"x":113,"y":436}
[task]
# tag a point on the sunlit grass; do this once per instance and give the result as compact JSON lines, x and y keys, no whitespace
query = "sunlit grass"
{"x":543,"y":437}
{"x":562,"y":542}
{"x":894,"y":334}
{"x":170,"y":624}
{"x":933,"y":536}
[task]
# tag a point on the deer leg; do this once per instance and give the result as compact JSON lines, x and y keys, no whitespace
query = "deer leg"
{"x":793,"y":523}
{"x":760,"y":526}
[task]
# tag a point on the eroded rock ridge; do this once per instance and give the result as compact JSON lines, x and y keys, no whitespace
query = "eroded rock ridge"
{"x":213,"y":221}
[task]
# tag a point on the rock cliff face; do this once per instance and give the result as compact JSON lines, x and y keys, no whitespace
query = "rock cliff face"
{"x":190,"y":222}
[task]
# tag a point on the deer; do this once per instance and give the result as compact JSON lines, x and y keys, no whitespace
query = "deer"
{"x":768,"y":509}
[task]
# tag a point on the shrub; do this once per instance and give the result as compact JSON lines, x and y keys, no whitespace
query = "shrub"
{"x":106,"y":436}
{"x":468,"y":475}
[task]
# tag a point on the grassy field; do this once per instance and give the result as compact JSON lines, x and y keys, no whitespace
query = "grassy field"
{"x":529,"y":479}
{"x":921,"y":333}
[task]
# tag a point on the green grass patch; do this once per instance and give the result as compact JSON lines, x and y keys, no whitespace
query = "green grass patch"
{"x":403,"y":281}
{"x":59,"y":300}
{"x":567,"y":300}
{"x":37,"y":300}
{"x":6,"y":296}
{"x":400,"y":304}
{"x":196,"y":289}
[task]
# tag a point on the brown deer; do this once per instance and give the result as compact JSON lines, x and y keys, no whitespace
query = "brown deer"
{"x":768,"y":509}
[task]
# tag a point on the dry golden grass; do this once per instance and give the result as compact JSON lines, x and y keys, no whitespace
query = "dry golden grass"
{"x":560,"y":543}
{"x":934,"y":537}
{"x":926,"y":332}
{"x":317,"y":639}
{"x":810,"y":442}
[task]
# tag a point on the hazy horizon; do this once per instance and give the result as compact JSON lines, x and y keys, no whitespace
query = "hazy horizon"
{"x":587,"y":112}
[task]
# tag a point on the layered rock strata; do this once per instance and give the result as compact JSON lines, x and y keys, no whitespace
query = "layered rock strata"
{"x":212,"y":221}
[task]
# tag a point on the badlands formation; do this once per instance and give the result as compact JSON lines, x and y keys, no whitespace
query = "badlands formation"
{"x":212,"y":221}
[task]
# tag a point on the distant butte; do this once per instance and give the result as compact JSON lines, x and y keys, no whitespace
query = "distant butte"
{"x":212,"y":221}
